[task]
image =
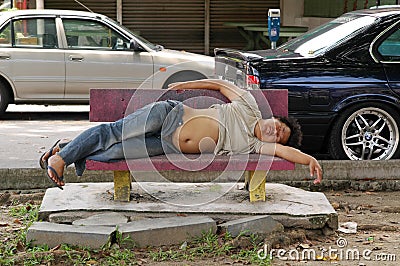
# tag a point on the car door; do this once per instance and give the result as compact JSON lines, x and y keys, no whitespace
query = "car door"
{"x":97,"y":56}
{"x":389,"y":50}
{"x":31,"y":59}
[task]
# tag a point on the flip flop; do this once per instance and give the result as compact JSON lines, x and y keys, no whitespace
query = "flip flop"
{"x":43,"y":164}
{"x":60,"y":178}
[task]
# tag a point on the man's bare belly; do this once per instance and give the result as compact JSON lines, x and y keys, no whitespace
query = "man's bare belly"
{"x":199,"y":131}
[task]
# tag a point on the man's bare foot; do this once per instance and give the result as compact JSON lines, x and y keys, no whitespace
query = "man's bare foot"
{"x":55,"y":169}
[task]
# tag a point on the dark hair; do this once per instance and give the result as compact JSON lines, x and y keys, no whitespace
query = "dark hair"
{"x":296,"y":136}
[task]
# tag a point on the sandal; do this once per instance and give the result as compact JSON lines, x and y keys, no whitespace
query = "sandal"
{"x":59,"y":178}
{"x":43,"y":164}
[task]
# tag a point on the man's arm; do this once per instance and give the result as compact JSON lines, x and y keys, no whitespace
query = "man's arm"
{"x":294,"y":155}
{"x":226,"y":88}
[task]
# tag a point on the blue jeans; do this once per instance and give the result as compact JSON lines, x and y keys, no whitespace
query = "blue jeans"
{"x":146,"y":132}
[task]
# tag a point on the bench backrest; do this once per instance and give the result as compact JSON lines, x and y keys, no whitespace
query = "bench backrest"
{"x":107,"y":105}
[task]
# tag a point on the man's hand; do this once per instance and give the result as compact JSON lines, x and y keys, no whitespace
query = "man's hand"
{"x":294,"y":155}
{"x":315,"y":167}
{"x":174,"y":86}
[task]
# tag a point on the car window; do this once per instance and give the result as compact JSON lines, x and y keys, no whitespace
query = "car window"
{"x":89,"y":34}
{"x":5,"y":36}
{"x":143,"y":40}
{"x":323,"y":37}
{"x":32,"y":33}
{"x":390,"y":48}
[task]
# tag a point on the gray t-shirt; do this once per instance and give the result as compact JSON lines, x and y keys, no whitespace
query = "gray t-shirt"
{"x":236,"y":126}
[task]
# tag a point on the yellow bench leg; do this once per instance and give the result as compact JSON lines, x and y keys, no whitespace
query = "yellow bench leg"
{"x":255,"y":182}
{"x":122,"y":185}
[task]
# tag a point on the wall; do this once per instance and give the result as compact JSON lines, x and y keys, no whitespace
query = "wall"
{"x":195,"y":25}
{"x":293,"y":11}
{"x":312,"y":13}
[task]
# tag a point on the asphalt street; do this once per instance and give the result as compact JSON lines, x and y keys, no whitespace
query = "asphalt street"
{"x":27,"y":131}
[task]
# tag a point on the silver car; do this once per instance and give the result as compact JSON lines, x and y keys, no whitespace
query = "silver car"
{"x":56,"y":56}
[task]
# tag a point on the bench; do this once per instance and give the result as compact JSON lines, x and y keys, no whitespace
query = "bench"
{"x":108,"y":105}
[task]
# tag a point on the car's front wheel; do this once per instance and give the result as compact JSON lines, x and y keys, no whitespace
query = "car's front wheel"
{"x":183,"y":76}
{"x":366,"y":132}
{"x":4,"y":98}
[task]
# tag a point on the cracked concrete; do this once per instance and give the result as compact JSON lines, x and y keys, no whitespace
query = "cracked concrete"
{"x":158,"y":211}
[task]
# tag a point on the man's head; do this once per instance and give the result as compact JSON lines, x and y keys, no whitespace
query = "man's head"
{"x":283,"y":130}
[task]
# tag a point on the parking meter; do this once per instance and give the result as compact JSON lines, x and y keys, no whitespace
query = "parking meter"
{"x":274,"y":25}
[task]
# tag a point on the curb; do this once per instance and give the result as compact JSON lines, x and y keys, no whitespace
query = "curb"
{"x":358,"y":175}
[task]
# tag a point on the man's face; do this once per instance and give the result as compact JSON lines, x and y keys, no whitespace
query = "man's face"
{"x":273,"y":130}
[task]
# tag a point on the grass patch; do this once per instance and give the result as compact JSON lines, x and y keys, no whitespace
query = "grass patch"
{"x":210,"y":247}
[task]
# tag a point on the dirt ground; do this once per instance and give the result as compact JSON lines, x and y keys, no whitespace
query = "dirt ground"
{"x":376,"y":241}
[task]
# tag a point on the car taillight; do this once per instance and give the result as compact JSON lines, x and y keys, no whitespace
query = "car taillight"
{"x":252,"y":80}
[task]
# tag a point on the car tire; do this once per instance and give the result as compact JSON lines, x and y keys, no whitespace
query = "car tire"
{"x":183,"y":76}
{"x":4,"y":98}
{"x":366,"y":132}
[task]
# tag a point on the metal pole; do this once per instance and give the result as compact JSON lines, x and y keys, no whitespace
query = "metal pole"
{"x":39,"y":4}
{"x":119,"y":11}
{"x":207,"y":27}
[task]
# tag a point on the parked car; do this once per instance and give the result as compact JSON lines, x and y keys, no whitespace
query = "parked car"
{"x":343,"y":80}
{"x":55,"y":56}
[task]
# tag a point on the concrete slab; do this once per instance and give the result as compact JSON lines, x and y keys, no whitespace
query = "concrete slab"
{"x":166,"y":231}
{"x":293,"y":207}
{"x":53,"y":234}
{"x":259,"y":225}
{"x":104,"y":219}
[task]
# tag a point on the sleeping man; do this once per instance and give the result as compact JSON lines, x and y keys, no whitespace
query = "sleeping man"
{"x":172,"y":127}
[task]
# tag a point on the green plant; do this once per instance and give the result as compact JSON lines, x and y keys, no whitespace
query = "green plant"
{"x":116,"y":256}
{"x":252,"y":254}
{"x":5,"y":259}
{"x":168,"y":255}
{"x":78,"y":257}
{"x":210,"y":244}
{"x":37,"y":258}
{"x":15,"y":251}
{"x":24,"y":215}
{"x":121,"y":241}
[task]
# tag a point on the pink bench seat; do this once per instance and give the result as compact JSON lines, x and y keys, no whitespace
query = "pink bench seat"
{"x":107,"y":105}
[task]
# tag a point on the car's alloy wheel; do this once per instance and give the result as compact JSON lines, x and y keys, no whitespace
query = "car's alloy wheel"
{"x":366,"y":133}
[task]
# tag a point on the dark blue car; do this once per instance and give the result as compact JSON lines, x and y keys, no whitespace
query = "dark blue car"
{"x":343,"y":80}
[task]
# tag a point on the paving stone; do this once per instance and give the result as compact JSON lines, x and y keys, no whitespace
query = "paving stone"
{"x":166,"y":231}
{"x":309,"y":222}
{"x":52,"y":234}
{"x":105,"y":219}
{"x":260,"y":225}
{"x":68,"y":217}
{"x":292,"y":207}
